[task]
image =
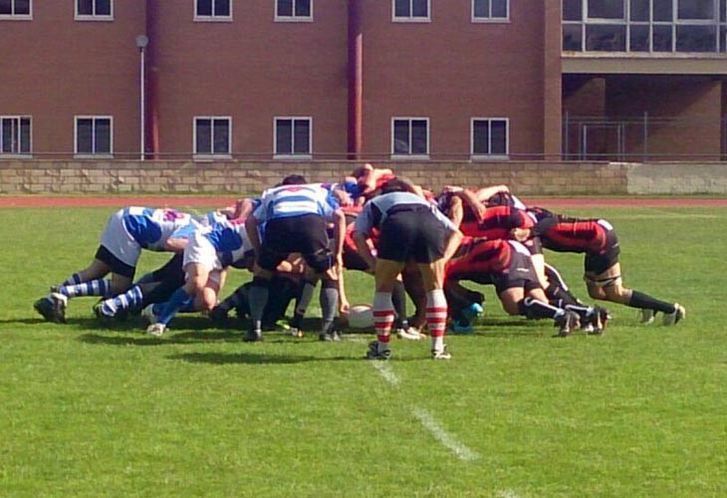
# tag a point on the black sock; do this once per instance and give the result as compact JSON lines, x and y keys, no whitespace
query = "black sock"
{"x":398,"y":298}
{"x":537,"y":310}
{"x":641,"y":300}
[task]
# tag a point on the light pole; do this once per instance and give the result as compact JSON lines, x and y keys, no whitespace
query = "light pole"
{"x":141,"y":42}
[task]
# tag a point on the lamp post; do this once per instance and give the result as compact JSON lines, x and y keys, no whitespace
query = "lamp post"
{"x":141,"y":42}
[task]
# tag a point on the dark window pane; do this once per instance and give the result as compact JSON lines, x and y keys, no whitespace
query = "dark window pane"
{"x":572,"y":10}
{"x":22,"y":7}
{"x":6,"y":7}
{"x":480,"y":137}
{"x":302,"y":8}
{"x":25,"y":135}
{"x":606,"y":9}
{"x":401,"y":8}
{"x":401,"y":136}
{"x":103,"y":136}
{"x":696,"y":9}
{"x":204,"y":7}
{"x":696,"y":39}
{"x":722,"y":10}
{"x":499,"y":8}
{"x":722,"y":39}
{"x":640,"y":10}
{"x":418,"y":136}
{"x":222,"y":8}
{"x":572,"y":37}
{"x":103,"y":7}
{"x":85,"y":7}
{"x":7,"y":135}
{"x":639,"y":39}
{"x":661,"y":39}
{"x":420,"y":8}
{"x":221,"y":136}
{"x":606,"y":38}
{"x":482,"y":8}
{"x":663,"y":10}
{"x":285,"y":8}
{"x":84,"y":136}
{"x":498,"y":129}
{"x":283,"y":136}
{"x":301,"y":136}
{"x":204,"y":136}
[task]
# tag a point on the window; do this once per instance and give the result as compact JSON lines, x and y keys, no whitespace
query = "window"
{"x":646,"y":26}
{"x":94,"y":10}
{"x":15,"y":135}
{"x":15,"y":9}
{"x":293,"y":10}
{"x":410,"y":137}
{"x":490,"y":10}
{"x":94,"y":135}
{"x":490,"y":137}
{"x":293,"y":136}
{"x":212,"y":136}
{"x":212,"y":10}
{"x":410,"y":10}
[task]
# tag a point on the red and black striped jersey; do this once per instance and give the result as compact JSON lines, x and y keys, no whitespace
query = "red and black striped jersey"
{"x":476,"y":256}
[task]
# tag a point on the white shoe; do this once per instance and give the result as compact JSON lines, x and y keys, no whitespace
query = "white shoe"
{"x":647,"y":316}
{"x":441,"y":354}
{"x":156,"y":329}
{"x":411,"y":334}
{"x":148,"y":314}
{"x":673,"y":318}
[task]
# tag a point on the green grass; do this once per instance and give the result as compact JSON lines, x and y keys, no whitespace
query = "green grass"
{"x":93,"y":411}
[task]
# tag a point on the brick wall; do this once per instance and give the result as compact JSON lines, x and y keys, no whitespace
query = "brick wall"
{"x":526,"y":178}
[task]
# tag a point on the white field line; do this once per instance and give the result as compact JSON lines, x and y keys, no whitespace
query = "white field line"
{"x":427,"y":419}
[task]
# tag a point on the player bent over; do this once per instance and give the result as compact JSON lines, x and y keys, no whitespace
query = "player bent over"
{"x":410,"y":228}
{"x":295,"y":215}
{"x":127,"y":232}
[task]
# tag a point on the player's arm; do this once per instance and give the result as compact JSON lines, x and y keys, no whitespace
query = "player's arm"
{"x":339,"y":231}
{"x":251,"y":227}
{"x":452,"y":244}
{"x":473,"y":202}
{"x":176,"y":244}
{"x":486,"y":192}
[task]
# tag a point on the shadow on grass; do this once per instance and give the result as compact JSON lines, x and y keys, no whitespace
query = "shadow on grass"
{"x":146,"y":340}
{"x":23,"y":321}
{"x":247,"y":357}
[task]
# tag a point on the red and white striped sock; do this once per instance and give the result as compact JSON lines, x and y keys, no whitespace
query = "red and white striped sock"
{"x":383,"y":318}
{"x":437,"y":317}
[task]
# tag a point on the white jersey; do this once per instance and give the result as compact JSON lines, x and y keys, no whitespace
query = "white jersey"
{"x":152,"y":227}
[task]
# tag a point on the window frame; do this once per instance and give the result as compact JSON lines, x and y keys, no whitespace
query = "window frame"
{"x":18,"y":17}
{"x":293,"y":18}
{"x":93,"y":154}
{"x":489,"y":156}
{"x":212,"y":17}
{"x":293,"y":154}
{"x":93,"y":17}
{"x":490,"y":19}
{"x":19,"y":153}
{"x":201,"y":156}
{"x":399,"y":156}
{"x":411,"y":18}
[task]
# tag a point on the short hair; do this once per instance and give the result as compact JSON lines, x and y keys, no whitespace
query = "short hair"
{"x":397,"y":185}
{"x":294,"y":180}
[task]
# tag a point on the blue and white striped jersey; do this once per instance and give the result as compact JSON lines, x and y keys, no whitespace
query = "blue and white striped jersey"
{"x":296,"y":200}
{"x":152,"y":227}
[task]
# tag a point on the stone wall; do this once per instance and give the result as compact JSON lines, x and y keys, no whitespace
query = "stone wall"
{"x":528,"y":178}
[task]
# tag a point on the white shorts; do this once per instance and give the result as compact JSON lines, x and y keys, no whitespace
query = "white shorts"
{"x":117,"y":240}
{"x":200,"y":251}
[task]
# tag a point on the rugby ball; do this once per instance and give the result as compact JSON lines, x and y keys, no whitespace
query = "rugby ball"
{"x":361,"y":316}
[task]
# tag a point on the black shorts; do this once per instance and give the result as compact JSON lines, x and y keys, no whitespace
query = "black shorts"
{"x":599,"y":263}
{"x":520,"y":273}
{"x":171,"y":272}
{"x":412,"y":233}
{"x":304,"y":234}
{"x":117,"y":266}
{"x":353,"y":261}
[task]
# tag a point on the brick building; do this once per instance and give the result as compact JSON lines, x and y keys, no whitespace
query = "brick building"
{"x":331,"y":79}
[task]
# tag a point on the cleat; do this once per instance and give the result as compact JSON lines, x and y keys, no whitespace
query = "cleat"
{"x":45,"y":307}
{"x":375,"y":353}
{"x":647,"y":316}
{"x":674,"y":317}
{"x":567,"y":323}
{"x":411,"y":334}
{"x":156,"y":329}
{"x":148,"y":314}
{"x":296,"y":332}
{"x":473,"y":312}
{"x":60,"y":301}
{"x":441,"y":354}
{"x":602,"y":318}
{"x":253,"y":335}
{"x":98,"y":310}
{"x":329,"y":337}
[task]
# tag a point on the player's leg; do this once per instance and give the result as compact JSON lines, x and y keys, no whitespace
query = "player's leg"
{"x":383,"y":307}
{"x":197,"y":275}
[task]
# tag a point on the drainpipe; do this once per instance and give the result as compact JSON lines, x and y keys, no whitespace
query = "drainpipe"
{"x":152,"y":79}
{"x":355,"y":80}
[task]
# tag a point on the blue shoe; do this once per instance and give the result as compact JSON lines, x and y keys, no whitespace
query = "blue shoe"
{"x":462,"y":328}
{"x":473,"y":311}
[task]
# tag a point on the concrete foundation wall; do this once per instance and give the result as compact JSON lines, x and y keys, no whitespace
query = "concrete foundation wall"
{"x":526,"y":178}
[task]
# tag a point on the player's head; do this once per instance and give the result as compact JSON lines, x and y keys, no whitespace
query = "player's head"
{"x":294,"y":180}
{"x":397,"y":185}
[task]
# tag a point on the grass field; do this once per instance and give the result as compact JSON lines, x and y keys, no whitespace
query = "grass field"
{"x":640,"y":411}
